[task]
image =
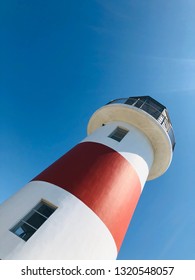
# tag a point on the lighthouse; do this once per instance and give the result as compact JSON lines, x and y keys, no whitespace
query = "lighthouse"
{"x":80,"y":207}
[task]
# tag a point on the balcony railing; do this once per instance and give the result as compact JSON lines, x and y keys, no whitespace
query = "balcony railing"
{"x":153,"y":108}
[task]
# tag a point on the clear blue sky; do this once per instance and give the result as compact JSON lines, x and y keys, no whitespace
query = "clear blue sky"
{"x":61,"y":60}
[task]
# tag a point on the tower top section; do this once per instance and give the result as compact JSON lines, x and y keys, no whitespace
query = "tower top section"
{"x":149,"y":116}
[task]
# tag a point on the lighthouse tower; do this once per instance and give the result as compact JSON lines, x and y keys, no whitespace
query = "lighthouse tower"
{"x":80,"y":206}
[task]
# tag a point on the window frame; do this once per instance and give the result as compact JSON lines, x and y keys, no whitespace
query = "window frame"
{"x":118,"y":133}
{"x":25,"y":235}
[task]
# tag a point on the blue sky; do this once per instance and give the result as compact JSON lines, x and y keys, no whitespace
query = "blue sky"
{"x":62,"y":60}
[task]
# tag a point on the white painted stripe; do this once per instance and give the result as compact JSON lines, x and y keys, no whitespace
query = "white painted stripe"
{"x":159,"y":138}
{"x":134,"y":147}
{"x":73,"y":231}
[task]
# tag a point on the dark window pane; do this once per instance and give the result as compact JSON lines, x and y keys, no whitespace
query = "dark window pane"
{"x":24,"y":231}
{"x":32,"y":221}
{"x":36,"y":220}
{"x":118,"y":134}
{"x":130,"y":101}
{"x":153,"y":111}
{"x":138,"y":104}
{"x":45,"y":210}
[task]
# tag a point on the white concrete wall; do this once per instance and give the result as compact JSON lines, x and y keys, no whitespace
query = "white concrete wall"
{"x":134,"y":147}
{"x":69,"y":233}
{"x":73,"y":225}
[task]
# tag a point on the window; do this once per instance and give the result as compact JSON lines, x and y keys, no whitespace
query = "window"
{"x":118,"y":134}
{"x":33,"y":220}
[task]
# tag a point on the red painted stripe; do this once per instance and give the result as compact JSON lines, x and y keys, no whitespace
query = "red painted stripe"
{"x":102,"y":179}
